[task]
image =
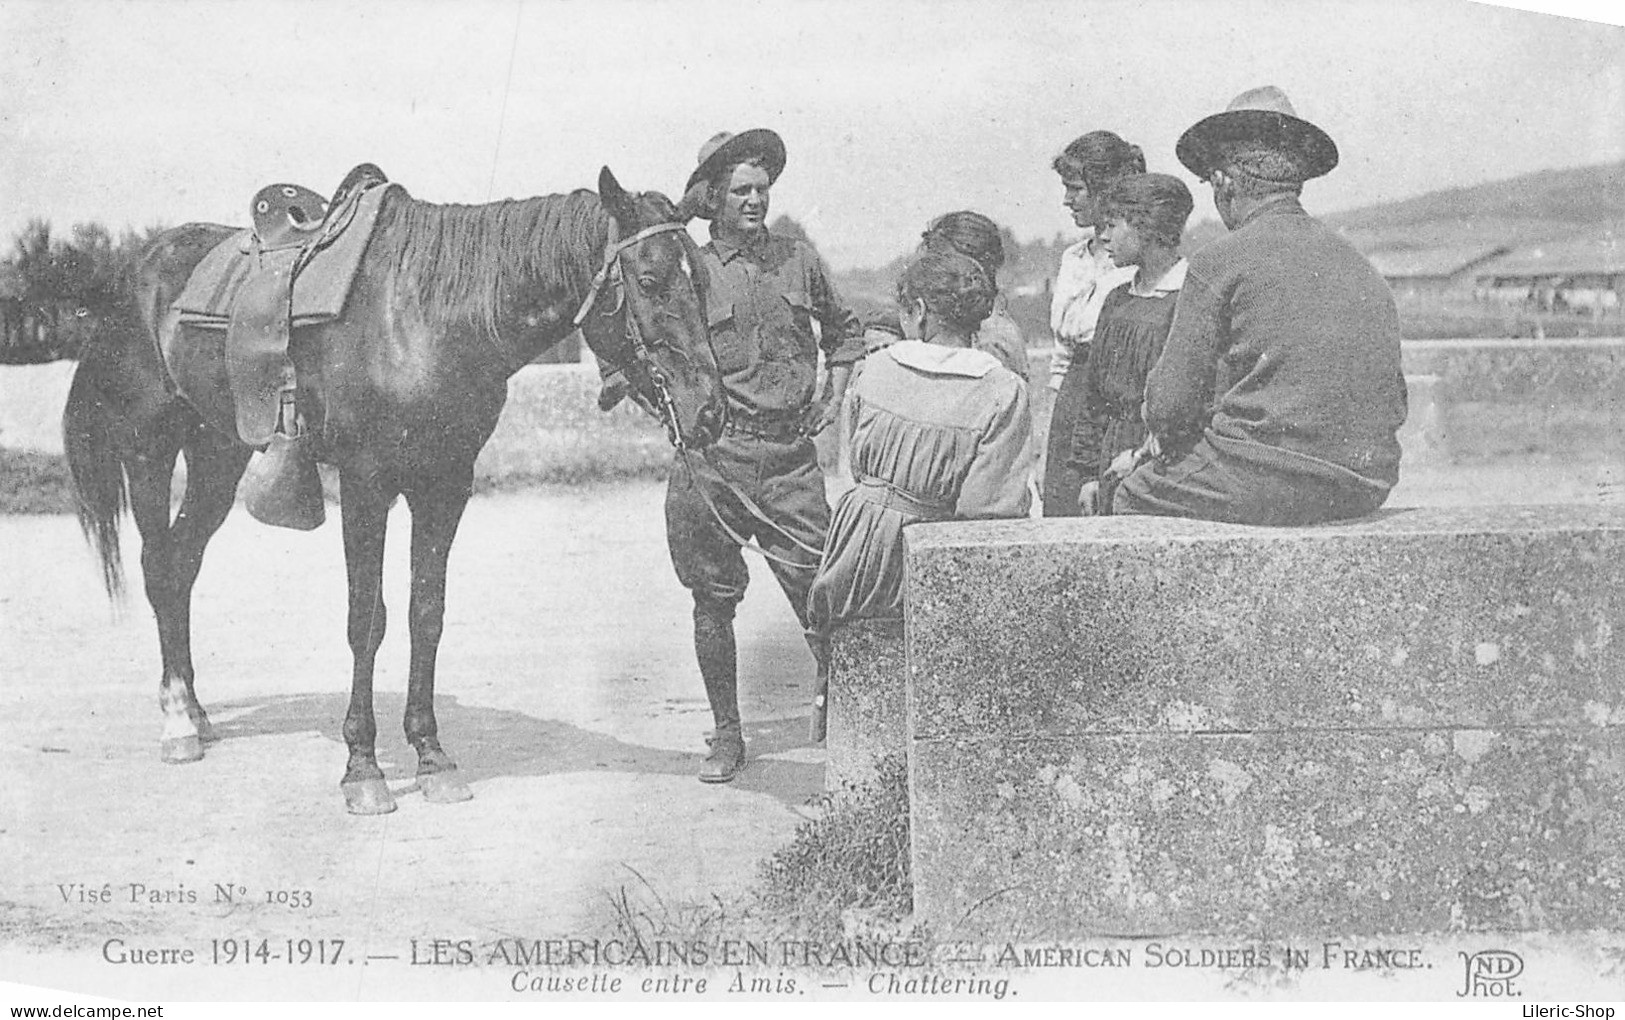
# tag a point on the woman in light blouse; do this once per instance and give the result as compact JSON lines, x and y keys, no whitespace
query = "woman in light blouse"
{"x":1087,"y":167}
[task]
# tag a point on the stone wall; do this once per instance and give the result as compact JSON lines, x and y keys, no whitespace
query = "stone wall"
{"x":1532,"y":371}
{"x":1493,"y":398}
{"x":1554,"y":398}
{"x":868,"y":700}
{"x":552,"y":431}
{"x":1414,"y":722}
{"x":1485,"y":398}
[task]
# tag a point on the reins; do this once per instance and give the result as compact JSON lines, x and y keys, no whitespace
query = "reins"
{"x":666,"y":409}
{"x":750,"y":508}
{"x":611,"y":270}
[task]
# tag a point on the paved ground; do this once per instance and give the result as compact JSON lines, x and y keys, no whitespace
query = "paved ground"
{"x":567,"y":692}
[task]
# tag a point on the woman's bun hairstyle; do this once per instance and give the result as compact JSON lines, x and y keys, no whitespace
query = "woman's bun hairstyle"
{"x":954,"y":287}
{"x":968,"y":233}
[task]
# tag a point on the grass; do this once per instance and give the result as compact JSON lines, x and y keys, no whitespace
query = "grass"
{"x":35,"y":483}
{"x":1482,"y":431}
{"x":844,"y":876}
{"x":850,"y":866}
{"x":572,"y":461}
{"x":1448,"y":316}
{"x":39,"y":483}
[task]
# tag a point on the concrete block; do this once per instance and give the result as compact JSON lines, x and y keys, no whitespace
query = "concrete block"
{"x":1422,"y":437}
{"x":1204,"y":657}
{"x":868,"y":700}
{"x":31,"y":401}
{"x":1483,"y":617}
{"x":1551,"y":372}
{"x":1311,"y":832}
{"x":1498,"y":398}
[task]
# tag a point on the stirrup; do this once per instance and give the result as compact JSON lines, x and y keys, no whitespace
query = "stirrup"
{"x":282,"y":487}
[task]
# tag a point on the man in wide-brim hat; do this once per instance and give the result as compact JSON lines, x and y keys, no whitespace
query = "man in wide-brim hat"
{"x":725,"y":150}
{"x":761,"y":481}
{"x":1264,"y":131}
{"x":1279,"y":394}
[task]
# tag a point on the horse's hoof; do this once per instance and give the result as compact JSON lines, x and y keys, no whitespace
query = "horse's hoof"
{"x":444,"y":787}
{"x":180,"y":750}
{"x":368,"y":797}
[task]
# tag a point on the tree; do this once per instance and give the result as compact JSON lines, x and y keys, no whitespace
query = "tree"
{"x":1014,"y":251}
{"x":58,"y":292}
{"x":786,"y":226}
{"x":91,"y":270}
{"x":36,"y":264}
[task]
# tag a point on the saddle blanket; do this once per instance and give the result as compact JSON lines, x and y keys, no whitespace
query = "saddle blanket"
{"x":319,"y":291}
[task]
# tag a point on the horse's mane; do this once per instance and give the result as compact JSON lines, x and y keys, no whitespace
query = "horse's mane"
{"x":459,"y":261}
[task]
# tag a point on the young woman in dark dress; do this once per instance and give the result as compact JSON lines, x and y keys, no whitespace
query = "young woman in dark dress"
{"x":1144,"y":217}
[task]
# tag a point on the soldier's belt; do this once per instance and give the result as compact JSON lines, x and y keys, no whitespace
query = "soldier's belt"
{"x":773,"y":430}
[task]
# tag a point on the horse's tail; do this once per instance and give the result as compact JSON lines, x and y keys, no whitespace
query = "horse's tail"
{"x":90,"y":438}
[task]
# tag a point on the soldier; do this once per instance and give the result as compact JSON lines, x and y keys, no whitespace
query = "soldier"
{"x":1279,"y":392}
{"x":761,"y":480}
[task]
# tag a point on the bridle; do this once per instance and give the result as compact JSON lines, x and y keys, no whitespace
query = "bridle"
{"x":641,"y":363}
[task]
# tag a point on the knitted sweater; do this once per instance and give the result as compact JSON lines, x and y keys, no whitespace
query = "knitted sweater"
{"x":1284,"y":336}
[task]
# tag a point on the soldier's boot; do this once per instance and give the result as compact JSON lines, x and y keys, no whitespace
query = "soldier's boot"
{"x":714,"y":647}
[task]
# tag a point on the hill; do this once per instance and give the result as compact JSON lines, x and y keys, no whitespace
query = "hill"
{"x":1530,"y":208}
{"x":1579,"y":195}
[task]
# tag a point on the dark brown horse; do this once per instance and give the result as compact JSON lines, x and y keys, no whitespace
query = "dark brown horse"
{"x":449,"y":302}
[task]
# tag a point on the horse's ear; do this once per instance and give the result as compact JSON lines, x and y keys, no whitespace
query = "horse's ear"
{"x":615,"y":199}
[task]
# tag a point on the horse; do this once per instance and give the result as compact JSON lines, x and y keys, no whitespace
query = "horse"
{"x":449,"y":301}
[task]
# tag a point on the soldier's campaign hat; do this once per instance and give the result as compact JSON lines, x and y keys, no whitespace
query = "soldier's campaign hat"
{"x":724,"y":148}
{"x":1263,"y":120}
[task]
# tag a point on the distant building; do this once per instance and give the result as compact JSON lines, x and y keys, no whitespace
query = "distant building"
{"x":1411,"y":271}
{"x":1582,"y":275}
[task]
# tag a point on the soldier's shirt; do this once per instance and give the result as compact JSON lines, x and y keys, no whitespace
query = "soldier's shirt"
{"x":761,"y":304}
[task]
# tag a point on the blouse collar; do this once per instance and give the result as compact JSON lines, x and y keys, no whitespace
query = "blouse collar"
{"x":940,"y":359}
{"x":1171,"y":281}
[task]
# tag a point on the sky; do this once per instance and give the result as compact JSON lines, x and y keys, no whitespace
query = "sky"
{"x":144,"y":112}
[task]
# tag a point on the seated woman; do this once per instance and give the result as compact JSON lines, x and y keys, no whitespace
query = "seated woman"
{"x":1144,"y":216}
{"x":971,"y":233}
{"x":942,"y":430}
{"x":880,"y":330}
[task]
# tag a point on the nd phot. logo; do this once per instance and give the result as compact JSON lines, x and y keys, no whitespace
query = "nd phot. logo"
{"x":1490,"y":973}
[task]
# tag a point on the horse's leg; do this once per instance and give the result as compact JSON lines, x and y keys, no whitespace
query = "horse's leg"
{"x":150,"y":469}
{"x":365,"y":512}
{"x":214,"y":465}
{"x":437,"y":508}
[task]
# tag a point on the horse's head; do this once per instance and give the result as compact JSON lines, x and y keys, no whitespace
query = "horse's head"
{"x":655,"y":333}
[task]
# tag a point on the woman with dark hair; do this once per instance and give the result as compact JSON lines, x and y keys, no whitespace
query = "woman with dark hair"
{"x":1144,"y":217}
{"x":1087,"y":167}
{"x":974,"y":235}
{"x":942,"y":430}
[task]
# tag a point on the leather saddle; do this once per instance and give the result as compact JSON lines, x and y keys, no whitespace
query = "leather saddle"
{"x":287,"y":216}
{"x":254,"y":286}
